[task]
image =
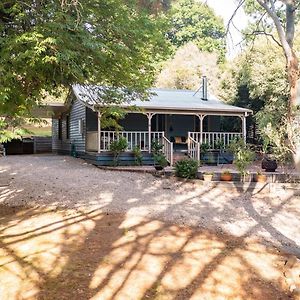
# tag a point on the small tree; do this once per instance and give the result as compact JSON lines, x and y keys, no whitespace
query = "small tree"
{"x":117,"y":147}
{"x":138,"y":157}
{"x":243,"y":156}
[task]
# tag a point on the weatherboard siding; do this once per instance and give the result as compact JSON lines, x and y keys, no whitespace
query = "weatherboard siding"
{"x":63,"y":145}
{"x":77,"y":113}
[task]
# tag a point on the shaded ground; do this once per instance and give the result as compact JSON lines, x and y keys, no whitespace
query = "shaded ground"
{"x":67,"y":254}
{"x":71,"y":231}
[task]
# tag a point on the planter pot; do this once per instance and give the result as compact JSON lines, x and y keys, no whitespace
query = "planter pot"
{"x":207,"y":177}
{"x":260,"y":178}
{"x":158,"y":167}
{"x":226,"y":177}
{"x":269,"y":164}
{"x":210,"y":158}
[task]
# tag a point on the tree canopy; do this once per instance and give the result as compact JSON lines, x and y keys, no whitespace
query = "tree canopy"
{"x":48,"y":44}
{"x":193,"y":21}
{"x":184,"y":70}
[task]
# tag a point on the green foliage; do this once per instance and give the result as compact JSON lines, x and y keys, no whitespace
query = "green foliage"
{"x":219,"y":144}
{"x":117,"y":147}
{"x":256,"y":77}
{"x":257,"y":80}
{"x":158,"y":156}
{"x":226,"y":172}
{"x":138,"y":157}
{"x":111,"y":116}
{"x":193,"y":21}
{"x":204,"y":147}
{"x":243,"y":155}
{"x":49,"y":46}
{"x":186,"y":168}
{"x":160,"y":160}
{"x":185,"y":68}
{"x":156,"y":147}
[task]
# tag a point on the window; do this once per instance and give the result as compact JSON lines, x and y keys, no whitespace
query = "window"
{"x":60,"y":129}
{"x":80,"y":126}
{"x":68,"y":127}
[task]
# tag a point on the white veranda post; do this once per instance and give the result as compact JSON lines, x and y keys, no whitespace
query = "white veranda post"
{"x":244,"y":127}
{"x":149,"y":116}
{"x":99,"y":132}
{"x":201,"y":118}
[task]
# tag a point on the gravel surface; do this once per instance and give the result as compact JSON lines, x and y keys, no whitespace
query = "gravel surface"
{"x":62,"y":181}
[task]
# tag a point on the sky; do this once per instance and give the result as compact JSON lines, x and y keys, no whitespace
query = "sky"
{"x":225,"y":9}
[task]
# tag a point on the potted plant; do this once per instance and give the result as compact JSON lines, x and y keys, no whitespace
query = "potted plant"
{"x":208,"y":176}
{"x":219,"y":145}
{"x":259,"y":177}
{"x":226,"y":176}
{"x":268,"y":163}
{"x":160,"y":161}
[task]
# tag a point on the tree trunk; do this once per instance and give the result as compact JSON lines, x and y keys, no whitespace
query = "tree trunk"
{"x":293,"y":115}
{"x":293,"y":75}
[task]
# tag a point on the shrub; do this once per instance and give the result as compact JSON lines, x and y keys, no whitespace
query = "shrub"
{"x":138,"y":157}
{"x":226,"y":172}
{"x":160,"y":160}
{"x":117,"y":147}
{"x":186,"y":168}
{"x":219,"y":144}
{"x":243,"y":156}
{"x":204,"y":147}
{"x":156,"y":147}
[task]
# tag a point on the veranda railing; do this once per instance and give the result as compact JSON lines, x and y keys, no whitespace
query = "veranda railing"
{"x":193,"y":148}
{"x":134,"y":139}
{"x":214,"y":138}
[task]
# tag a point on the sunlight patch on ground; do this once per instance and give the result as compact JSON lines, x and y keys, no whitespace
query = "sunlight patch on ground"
{"x":48,"y":254}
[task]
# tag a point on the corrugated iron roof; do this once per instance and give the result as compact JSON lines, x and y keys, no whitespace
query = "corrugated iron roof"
{"x":162,"y":99}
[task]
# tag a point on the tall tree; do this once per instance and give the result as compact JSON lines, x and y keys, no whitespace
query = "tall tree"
{"x":184,"y":70}
{"x":270,"y":15}
{"x":285,"y":26}
{"x":48,"y":44}
{"x":193,"y":21}
{"x":283,"y":17}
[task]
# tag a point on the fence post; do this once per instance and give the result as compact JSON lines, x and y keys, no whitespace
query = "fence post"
{"x":171,"y":162}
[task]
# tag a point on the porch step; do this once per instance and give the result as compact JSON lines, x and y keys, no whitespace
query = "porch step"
{"x":179,"y":156}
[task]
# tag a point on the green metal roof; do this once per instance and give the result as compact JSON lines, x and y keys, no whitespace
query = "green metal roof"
{"x":163,"y":99}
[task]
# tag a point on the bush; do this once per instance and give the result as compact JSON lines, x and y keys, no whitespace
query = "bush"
{"x":156,"y":147}
{"x":117,"y":147}
{"x":138,"y":157}
{"x":243,"y":156}
{"x":204,"y":147}
{"x":160,"y":160}
{"x":186,"y":168}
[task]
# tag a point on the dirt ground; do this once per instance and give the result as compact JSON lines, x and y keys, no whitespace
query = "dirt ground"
{"x":145,"y":242}
{"x":68,"y":254}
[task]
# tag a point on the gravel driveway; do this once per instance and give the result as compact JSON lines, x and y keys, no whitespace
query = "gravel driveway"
{"x":62,"y":181}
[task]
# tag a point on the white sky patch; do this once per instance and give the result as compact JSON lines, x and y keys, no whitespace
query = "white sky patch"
{"x":225,"y":9}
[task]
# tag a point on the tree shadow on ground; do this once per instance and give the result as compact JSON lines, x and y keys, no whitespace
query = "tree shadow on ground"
{"x":91,"y":254}
{"x":96,"y":255}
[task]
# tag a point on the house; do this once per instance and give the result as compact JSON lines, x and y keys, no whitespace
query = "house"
{"x":181,"y":120}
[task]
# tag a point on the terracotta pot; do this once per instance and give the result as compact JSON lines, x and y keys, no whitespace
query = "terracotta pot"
{"x":207,"y":177}
{"x":260,"y":178}
{"x":226,"y":177}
